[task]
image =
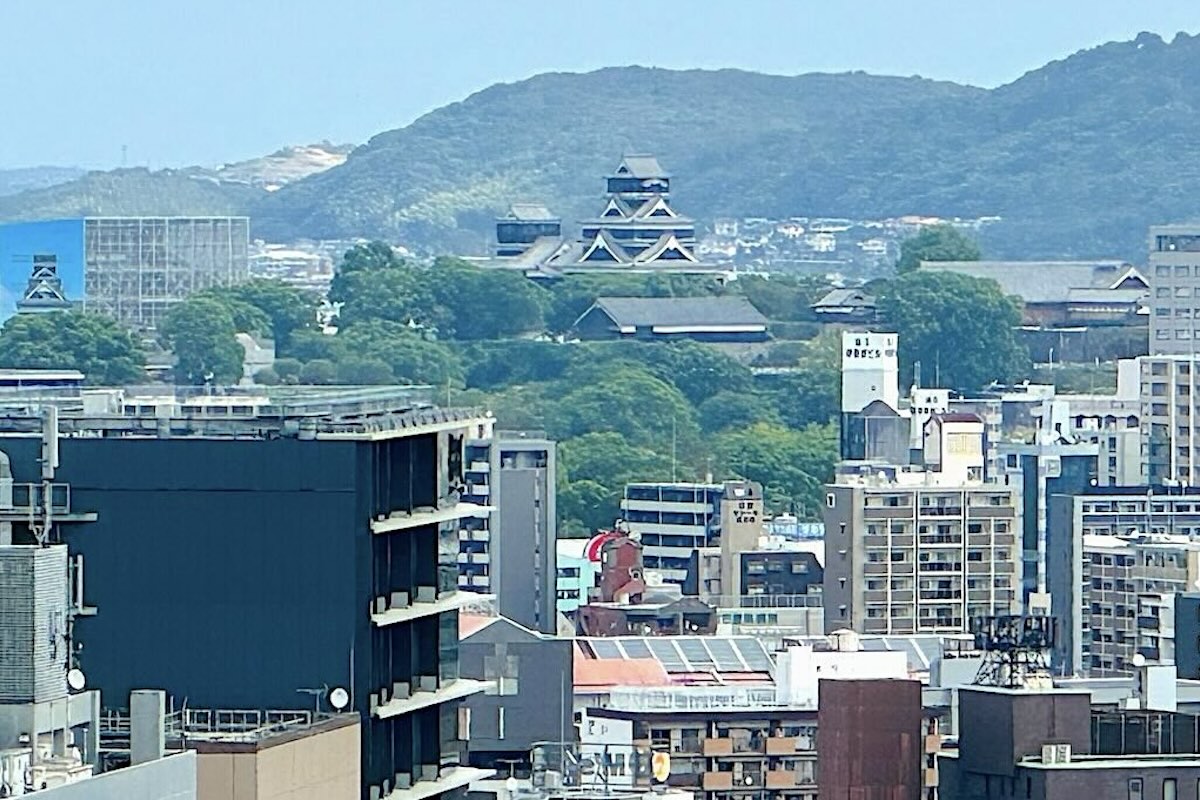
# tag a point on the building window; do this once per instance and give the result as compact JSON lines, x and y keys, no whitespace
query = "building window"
{"x":1170,"y":790}
{"x":1135,"y":789}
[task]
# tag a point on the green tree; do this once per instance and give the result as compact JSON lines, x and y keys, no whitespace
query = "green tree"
{"x":633,"y":402}
{"x":593,"y":470}
{"x":792,"y":465}
{"x":358,"y":371}
{"x":698,"y":370}
{"x":267,"y":376}
{"x":400,"y":294}
{"x":728,"y":410}
{"x":961,"y":328}
{"x":782,"y":297}
{"x":287,"y":309}
{"x":485,"y":303}
{"x":369,"y":257}
{"x":584,"y":507}
{"x":202,"y":334}
{"x":288,"y":369}
{"x":106,"y":352}
{"x":811,"y":391}
{"x":412,"y":358}
{"x":247,"y":318}
{"x":495,"y":364}
{"x":307,"y":345}
{"x":936,"y":243}
{"x":319,"y":372}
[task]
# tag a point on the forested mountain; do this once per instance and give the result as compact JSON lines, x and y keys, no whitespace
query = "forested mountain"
{"x":1078,"y":157}
{"x":24,"y":179}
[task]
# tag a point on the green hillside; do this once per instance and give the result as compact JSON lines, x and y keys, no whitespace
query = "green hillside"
{"x":130,"y":192}
{"x":1078,"y":157}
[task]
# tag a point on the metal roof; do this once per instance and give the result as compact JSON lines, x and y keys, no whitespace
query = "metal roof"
{"x":680,"y":654}
{"x":531,"y":212}
{"x":642,"y":166}
{"x":846,"y":297}
{"x":1043,"y":281}
{"x":679,"y":311}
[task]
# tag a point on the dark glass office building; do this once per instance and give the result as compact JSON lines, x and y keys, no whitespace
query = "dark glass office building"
{"x":260,"y":553}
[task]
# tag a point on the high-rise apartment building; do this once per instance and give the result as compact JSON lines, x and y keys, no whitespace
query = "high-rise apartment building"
{"x":1170,"y":420}
{"x":1116,"y":556}
{"x":1174,"y":277}
{"x":673,"y":521}
{"x":511,"y":552}
{"x":255,"y":551}
{"x":907,"y":554}
{"x":130,"y":268}
{"x":1128,"y":586}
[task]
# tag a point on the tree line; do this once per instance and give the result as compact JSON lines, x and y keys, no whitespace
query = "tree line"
{"x":621,"y":411}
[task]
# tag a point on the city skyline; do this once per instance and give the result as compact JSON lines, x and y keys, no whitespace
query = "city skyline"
{"x":176,"y":87}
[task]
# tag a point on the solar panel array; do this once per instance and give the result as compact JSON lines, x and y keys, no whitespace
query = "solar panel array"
{"x":690,"y":653}
{"x":920,"y":649}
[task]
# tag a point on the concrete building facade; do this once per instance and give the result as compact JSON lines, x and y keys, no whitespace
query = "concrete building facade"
{"x":1109,"y":602}
{"x":299,"y":546}
{"x":512,"y":552}
{"x":1169,"y":424}
{"x":1174,"y":267}
{"x":673,"y":520}
{"x":907,"y":554}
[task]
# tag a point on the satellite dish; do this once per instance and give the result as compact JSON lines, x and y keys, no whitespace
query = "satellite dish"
{"x":76,"y":680}
{"x":1138,"y":660}
{"x":339,"y":698}
{"x":660,"y":766}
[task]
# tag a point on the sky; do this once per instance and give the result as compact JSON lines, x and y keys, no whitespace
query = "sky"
{"x":177,"y":83}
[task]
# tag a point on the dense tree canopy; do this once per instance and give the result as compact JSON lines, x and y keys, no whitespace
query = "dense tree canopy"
{"x":451,"y":298}
{"x":412,"y":358}
{"x":936,"y":243}
{"x":792,"y":465}
{"x":962,"y":329}
{"x":106,"y":352}
{"x":202,"y":333}
{"x":286,"y":309}
{"x":630,"y":401}
{"x":593,"y":470}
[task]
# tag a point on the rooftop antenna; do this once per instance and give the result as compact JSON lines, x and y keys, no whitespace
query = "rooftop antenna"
{"x":916,"y":374}
{"x":124,"y":155}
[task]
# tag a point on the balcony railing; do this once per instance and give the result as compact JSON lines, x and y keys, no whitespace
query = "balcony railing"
{"x":767,"y":601}
{"x":692,"y":698}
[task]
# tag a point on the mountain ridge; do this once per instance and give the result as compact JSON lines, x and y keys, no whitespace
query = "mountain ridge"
{"x":1078,"y":156}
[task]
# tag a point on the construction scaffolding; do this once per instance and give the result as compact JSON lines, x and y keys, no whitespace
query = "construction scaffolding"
{"x":135,"y":268}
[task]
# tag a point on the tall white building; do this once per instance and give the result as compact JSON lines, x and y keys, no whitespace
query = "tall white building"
{"x":870,"y":370}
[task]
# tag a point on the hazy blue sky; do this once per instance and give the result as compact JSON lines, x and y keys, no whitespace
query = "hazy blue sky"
{"x":183,"y":82}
